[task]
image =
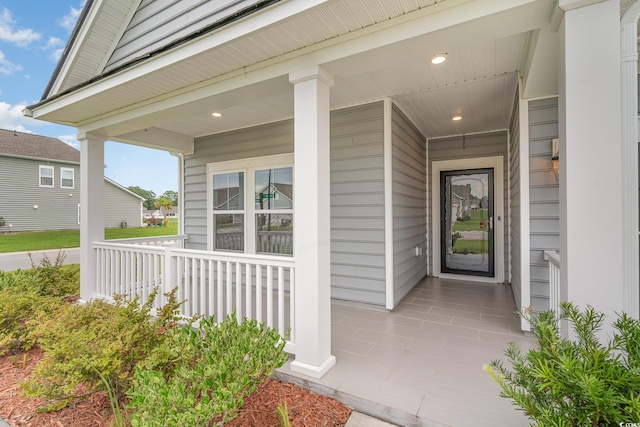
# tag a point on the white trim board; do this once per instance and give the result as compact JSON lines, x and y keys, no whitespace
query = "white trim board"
{"x":497,"y":163}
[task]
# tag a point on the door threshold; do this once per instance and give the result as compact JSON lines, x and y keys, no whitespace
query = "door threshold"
{"x":468,"y":278}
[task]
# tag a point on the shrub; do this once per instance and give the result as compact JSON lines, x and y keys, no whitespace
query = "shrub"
{"x":84,"y":342}
{"x":54,"y":278}
{"x":202,"y":376}
{"x":575,"y":383}
{"x":18,"y":308}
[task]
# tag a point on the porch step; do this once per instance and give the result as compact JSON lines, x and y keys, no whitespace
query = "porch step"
{"x":365,"y":412}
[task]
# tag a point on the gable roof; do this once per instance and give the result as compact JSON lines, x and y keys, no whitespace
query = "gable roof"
{"x":20,"y":144}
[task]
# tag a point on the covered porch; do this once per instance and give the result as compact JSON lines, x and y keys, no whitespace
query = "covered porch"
{"x":421,"y":364}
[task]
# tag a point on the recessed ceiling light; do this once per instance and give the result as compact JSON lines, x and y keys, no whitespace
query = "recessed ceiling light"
{"x":216,"y":114}
{"x":438,"y":58}
{"x":456,"y":118}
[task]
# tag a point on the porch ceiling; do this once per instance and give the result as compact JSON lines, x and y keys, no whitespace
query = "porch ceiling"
{"x":371,"y":57}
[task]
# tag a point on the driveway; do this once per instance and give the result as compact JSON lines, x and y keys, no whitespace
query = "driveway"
{"x":20,"y":260}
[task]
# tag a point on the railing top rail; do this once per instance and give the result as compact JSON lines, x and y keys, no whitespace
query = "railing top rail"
{"x":150,"y":239}
{"x":262,"y":259}
{"x":553,"y":257}
{"x":266,"y":260}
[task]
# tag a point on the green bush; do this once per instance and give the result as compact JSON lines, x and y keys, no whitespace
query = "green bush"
{"x":54,"y":278}
{"x":575,"y":383}
{"x":18,"y":309}
{"x":201,"y":376}
{"x":84,"y":342}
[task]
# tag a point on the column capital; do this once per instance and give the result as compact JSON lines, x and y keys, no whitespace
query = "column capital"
{"x":567,"y":5}
{"x":90,"y":136}
{"x":315,"y":72}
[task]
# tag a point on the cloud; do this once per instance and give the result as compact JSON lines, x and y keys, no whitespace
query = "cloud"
{"x":56,"y":45}
{"x":11,"y":118}
{"x":22,"y":37}
{"x":7,"y":67}
{"x":69,"y":20}
{"x":70,"y":140}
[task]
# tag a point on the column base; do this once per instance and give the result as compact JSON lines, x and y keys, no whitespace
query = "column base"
{"x":312,"y":370}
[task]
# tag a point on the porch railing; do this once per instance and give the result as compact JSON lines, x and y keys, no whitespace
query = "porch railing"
{"x":554,"y":281}
{"x":210,"y":283}
{"x":176,"y":241}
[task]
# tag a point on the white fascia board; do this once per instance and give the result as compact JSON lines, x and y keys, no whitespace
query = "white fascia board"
{"x":124,"y":189}
{"x":230,"y":32}
{"x":444,"y":16}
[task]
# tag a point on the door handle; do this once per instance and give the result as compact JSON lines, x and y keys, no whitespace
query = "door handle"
{"x":491,"y":222}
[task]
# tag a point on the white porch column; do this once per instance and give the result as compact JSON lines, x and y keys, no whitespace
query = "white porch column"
{"x":311,"y":222}
{"x":590,"y":157}
{"x":91,"y":208}
{"x":629,"y":48}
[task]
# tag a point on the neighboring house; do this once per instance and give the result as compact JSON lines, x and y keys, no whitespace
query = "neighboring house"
{"x":40,"y":186}
{"x":364,"y":105}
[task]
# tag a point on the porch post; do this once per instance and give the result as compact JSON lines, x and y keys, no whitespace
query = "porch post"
{"x":311,"y":222}
{"x":629,"y":48}
{"x":590,"y":157}
{"x":91,"y":209}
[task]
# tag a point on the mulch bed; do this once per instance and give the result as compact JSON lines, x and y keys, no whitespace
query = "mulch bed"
{"x":306,"y":409}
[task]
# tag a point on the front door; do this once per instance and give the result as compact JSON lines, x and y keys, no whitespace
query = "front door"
{"x":466,"y":229}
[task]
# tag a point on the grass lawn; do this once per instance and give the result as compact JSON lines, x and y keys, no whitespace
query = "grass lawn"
{"x":62,"y":239}
{"x":472,"y":224}
{"x":471,"y":246}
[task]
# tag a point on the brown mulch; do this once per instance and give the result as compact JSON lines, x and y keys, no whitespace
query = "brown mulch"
{"x":306,"y":409}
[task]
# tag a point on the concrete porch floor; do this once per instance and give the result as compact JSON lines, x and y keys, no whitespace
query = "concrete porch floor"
{"x":421,"y":364}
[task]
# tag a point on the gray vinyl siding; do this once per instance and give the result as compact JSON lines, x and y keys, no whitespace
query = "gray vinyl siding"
{"x":409,"y":186}
{"x":20,"y":191}
{"x":57,"y":208}
{"x":544,"y":196}
{"x":357,"y":192}
{"x":157,"y":23}
{"x":477,"y":145}
{"x":357,"y":204}
{"x":515,"y":217}
{"x":120,"y":206}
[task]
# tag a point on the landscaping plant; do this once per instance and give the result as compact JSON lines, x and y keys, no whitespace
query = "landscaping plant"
{"x":201,"y":376}
{"x":86,"y":343}
{"x":579,"y":382}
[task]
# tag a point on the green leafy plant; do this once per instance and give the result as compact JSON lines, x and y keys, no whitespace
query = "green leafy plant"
{"x":54,"y":278}
{"x":18,"y":309}
{"x":201,"y":376}
{"x":575,"y":382}
{"x":84,"y":343}
{"x":2,"y":222}
{"x":282,"y":413}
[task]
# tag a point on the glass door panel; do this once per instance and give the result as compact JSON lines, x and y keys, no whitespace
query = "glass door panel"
{"x":466,"y":215}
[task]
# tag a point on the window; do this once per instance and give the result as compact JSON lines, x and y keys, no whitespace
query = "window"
{"x":66,"y":177}
{"x":251,"y":205}
{"x":46,"y":176}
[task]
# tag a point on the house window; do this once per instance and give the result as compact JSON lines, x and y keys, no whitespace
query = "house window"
{"x":46,"y":176}
{"x":66,"y":177}
{"x":251,"y":205}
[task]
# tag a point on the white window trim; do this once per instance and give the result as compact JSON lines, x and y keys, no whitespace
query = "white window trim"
{"x":53,"y":176}
{"x":248,"y":166}
{"x":78,"y":213}
{"x":73,"y":178}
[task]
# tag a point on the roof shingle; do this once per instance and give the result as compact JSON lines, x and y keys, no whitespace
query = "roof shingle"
{"x":43,"y":147}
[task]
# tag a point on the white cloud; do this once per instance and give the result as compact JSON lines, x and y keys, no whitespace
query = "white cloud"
{"x":69,"y":20}
{"x":7,"y":67}
{"x":21,"y":37}
{"x":70,"y":140}
{"x":11,"y":118}
{"x":56,"y":45}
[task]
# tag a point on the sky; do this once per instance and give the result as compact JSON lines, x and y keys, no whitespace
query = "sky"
{"x":33,"y":34}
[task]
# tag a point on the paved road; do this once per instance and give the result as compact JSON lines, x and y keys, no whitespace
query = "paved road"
{"x":16,"y":260}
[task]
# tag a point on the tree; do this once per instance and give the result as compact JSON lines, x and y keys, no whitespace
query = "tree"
{"x":164,"y":205}
{"x":171,"y":195}
{"x":149,"y":196}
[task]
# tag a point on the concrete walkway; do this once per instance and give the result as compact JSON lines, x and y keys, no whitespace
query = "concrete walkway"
{"x":20,"y":260}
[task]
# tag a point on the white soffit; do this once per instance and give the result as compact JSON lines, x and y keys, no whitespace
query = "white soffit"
{"x":480,"y":75}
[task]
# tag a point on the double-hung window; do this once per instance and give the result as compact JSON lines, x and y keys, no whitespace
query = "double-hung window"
{"x":251,"y":205}
{"x":66,"y":178}
{"x":46,"y":176}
